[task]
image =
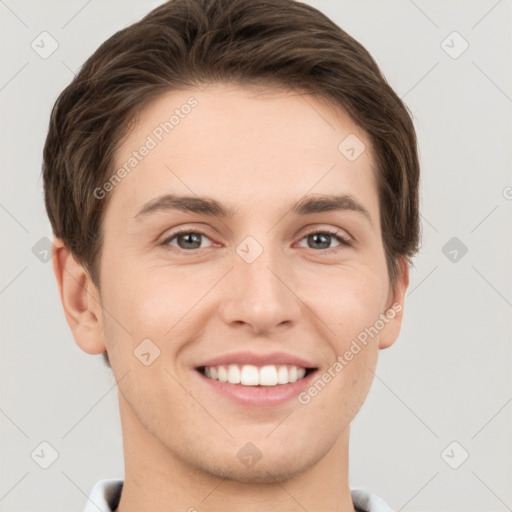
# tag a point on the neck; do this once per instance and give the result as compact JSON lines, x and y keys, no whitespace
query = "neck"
{"x":157,"y":479}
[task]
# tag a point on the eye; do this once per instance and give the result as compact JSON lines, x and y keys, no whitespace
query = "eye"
{"x":186,"y":240}
{"x":323,"y":238}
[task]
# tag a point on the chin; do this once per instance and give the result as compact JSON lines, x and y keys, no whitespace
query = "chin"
{"x":260,"y":473}
{"x":269,"y":469}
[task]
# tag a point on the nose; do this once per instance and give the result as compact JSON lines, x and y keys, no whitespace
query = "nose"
{"x":260,"y":295}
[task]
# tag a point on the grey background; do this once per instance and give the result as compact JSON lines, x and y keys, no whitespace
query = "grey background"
{"x":446,"y":379}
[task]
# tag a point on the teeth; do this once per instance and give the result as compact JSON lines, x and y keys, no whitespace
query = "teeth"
{"x":268,"y":376}
{"x":250,"y":375}
{"x":233,"y":374}
{"x":282,"y":375}
{"x":222,"y":373}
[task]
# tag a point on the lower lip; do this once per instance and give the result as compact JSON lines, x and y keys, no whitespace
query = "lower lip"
{"x":259,"y":396}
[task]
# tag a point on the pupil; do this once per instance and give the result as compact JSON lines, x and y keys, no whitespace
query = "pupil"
{"x":324,"y":244}
{"x":188,"y":237}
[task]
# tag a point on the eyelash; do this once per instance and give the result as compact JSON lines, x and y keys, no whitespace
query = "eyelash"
{"x":344,"y":241}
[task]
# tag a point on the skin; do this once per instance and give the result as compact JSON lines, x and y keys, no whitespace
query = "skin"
{"x":259,"y":153}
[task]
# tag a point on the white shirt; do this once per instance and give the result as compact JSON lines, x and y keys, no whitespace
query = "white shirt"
{"x":105,"y":496}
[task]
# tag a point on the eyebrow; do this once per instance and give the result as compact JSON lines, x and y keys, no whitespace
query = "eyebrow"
{"x":208,"y":206}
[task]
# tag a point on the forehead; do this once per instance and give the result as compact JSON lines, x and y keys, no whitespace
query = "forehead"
{"x":247,"y":144}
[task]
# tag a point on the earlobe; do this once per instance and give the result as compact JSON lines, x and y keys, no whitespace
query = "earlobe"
{"x":80,"y":300}
{"x":395,"y":310}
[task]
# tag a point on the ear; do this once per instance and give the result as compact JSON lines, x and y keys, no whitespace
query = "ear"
{"x":80,"y":300}
{"x":395,"y":307}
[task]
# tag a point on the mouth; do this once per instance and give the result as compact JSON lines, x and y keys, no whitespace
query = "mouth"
{"x":260,"y":387}
{"x":261,"y":380}
{"x":256,"y":376}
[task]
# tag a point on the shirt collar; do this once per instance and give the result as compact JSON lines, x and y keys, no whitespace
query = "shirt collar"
{"x":106,"y":493}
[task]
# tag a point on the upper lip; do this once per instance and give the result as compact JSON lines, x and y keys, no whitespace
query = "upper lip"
{"x":258,"y":359}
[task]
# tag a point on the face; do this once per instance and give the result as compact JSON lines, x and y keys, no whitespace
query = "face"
{"x":263,"y":275}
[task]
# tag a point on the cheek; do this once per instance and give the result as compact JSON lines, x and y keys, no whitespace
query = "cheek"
{"x":357,"y":380}
{"x":134,"y":293}
{"x":354,"y":314}
{"x":347,"y":299}
{"x":153,"y":303}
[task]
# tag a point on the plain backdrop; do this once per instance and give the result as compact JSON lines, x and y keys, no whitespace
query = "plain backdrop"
{"x":434,"y":432}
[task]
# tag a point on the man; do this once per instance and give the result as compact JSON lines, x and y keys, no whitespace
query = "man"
{"x":233,"y":190}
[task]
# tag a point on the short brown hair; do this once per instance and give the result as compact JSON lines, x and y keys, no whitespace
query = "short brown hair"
{"x":281,"y":44}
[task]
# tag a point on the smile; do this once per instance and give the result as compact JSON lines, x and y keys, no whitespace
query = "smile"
{"x":251,"y":375}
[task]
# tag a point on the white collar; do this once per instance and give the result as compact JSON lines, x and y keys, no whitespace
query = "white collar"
{"x":106,"y":493}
